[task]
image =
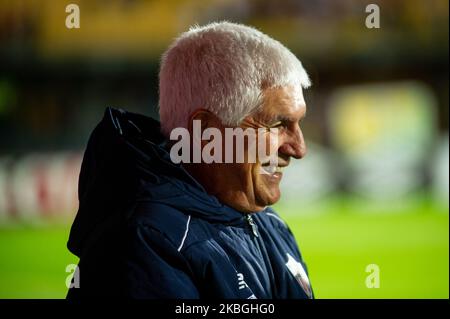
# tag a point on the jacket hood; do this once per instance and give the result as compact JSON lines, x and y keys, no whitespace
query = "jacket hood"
{"x":127,"y":161}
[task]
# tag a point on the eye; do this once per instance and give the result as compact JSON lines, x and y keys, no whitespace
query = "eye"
{"x":279,"y":124}
{"x":302,"y":119}
{"x":300,"y":122}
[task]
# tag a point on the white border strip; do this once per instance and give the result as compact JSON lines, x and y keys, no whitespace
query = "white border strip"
{"x":275,"y":216}
{"x":185,"y":233}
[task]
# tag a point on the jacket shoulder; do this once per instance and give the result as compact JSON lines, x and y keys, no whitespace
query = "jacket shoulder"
{"x":272,"y":218}
{"x":172,"y":223}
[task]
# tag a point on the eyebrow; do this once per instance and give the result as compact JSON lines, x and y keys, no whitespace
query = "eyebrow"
{"x":285,"y":118}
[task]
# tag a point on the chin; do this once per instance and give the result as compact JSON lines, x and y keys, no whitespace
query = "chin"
{"x":267,"y":188}
{"x":269,"y":197}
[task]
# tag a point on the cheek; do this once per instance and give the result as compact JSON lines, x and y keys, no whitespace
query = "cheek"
{"x":268,"y":146}
{"x":273,"y":141}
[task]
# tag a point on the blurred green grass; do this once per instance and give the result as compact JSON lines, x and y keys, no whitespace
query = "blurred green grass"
{"x":411,"y":248}
{"x":412,"y":253}
{"x":33,"y":261}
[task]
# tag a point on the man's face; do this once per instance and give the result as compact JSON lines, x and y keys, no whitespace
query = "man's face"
{"x":250,"y":186}
{"x":283,"y":109}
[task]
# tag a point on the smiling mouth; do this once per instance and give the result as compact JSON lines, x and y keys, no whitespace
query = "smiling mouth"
{"x":271,"y":169}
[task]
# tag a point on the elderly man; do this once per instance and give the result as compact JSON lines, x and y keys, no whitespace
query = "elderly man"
{"x":152,"y":226}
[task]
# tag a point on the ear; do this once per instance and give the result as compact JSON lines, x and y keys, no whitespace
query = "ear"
{"x":206,"y":118}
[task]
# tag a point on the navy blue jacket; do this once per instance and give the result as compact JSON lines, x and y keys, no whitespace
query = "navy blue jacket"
{"x":146,"y":229}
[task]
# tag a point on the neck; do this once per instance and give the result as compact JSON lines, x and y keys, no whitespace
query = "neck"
{"x":218,"y":182}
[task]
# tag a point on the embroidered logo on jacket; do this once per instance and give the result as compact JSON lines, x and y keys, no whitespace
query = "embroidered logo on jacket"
{"x":242,"y":284}
{"x":299,"y":273}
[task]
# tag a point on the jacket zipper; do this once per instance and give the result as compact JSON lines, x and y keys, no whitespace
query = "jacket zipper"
{"x":252,"y":224}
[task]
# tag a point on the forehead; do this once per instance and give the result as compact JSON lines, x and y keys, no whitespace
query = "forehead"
{"x":287,"y":102}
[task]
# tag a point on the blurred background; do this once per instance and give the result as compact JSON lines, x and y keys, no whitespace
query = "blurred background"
{"x":373,"y":188}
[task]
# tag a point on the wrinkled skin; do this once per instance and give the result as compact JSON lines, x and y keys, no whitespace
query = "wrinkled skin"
{"x":245,"y":186}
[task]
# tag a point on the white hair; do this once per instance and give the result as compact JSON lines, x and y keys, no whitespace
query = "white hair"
{"x":222,"y":67}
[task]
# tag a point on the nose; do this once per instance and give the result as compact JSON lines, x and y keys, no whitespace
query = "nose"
{"x":294,"y":144}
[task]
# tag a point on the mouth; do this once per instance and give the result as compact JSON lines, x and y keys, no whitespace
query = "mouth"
{"x":273,"y":171}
